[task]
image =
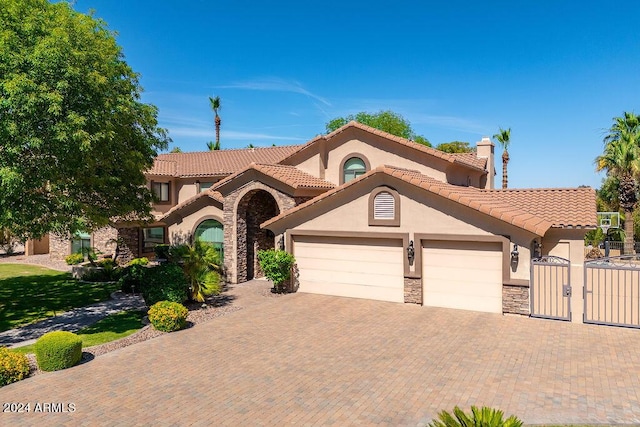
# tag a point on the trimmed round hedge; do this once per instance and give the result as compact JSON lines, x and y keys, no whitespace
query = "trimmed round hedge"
{"x":13,"y":366}
{"x":58,"y":350}
{"x":167,"y":316}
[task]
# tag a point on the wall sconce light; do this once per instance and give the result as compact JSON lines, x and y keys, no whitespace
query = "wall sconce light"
{"x":514,"y":254}
{"x":411,"y":252}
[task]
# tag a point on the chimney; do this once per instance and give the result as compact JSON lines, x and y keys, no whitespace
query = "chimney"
{"x":485,"y":150}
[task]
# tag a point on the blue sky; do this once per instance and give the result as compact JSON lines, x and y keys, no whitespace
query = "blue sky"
{"x":556,"y":72}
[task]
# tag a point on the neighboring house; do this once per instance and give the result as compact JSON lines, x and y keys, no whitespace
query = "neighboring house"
{"x":368,"y":215}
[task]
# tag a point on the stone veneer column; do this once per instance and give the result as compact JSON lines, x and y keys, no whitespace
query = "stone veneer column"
{"x":130,"y":244}
{"x":103,"y":239}
{"x":515,"y":299}
{"x":235,"y":226}
{"x":412,"y":291}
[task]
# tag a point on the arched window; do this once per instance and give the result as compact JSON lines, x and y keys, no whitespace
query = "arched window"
{"x":211,"y":231}
{"x":353,"y":168}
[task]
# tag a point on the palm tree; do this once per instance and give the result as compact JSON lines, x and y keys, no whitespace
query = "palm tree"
{"x":621,"y":159}
{"x":504,"y":138}
{"x":213,"y":146}
{"x":215,"y":106}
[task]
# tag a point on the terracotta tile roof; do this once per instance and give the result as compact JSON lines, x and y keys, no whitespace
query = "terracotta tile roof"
{"x":286,"y":174}
{"x":212,"y":194}
{"x":164,"y":167}
{"x":564,"y":207}
{"x":216,"y":163}
{"x":491,"y":203}
{"x":466,"y":159}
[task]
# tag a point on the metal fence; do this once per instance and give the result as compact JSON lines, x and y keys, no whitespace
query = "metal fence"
{"x":612,"y":291}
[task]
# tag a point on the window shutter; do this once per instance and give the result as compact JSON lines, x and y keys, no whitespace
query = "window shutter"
{"x":384,"y":206}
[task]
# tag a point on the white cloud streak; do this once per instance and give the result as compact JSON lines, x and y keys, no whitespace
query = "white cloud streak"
{"x":228,"y":134}
{"x":275,"y":84}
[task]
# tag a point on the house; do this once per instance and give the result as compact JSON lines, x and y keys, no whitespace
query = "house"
{"x":367,"y":215}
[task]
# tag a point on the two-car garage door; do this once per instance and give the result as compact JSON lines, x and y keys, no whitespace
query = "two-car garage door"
{"x":351,"y":267}
{"x":464,"y":275}
{"x":455,"y":274}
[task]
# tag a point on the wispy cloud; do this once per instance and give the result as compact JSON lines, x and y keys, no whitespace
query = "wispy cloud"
{"x":275,"y":84}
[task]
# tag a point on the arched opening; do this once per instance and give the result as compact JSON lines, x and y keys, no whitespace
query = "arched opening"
{"x":353,"y":168}
{"x":211,"y":231}
{"x":255,"y":208}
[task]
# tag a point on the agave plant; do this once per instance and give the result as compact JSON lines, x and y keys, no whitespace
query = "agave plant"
{"x":201,"y":264}
{"x":484,"y":417}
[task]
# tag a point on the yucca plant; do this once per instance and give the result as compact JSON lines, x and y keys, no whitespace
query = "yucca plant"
{"x":484,"y":417}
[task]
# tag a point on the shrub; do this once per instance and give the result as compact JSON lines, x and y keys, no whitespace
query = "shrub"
{"x":139,"y":261}
{"x":74,"y":259}
{"x":167,"y":316}
{"x":276,"y":266}
{"x":485,"y":417}
{"x":161,"y":251}
{"x":201,"y":264}
{"x":165,"y":282}
{"x":58,"y":350}
{"x":13,"y":366}
{"x":132,"y":278}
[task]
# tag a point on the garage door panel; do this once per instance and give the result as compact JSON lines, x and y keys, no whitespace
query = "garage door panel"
{"x":463,"y":275}
{"x":360,"y":268}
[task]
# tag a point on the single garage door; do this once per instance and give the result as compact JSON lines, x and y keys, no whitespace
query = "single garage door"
{"x":351,"y":267}
{"x":464,"y":275}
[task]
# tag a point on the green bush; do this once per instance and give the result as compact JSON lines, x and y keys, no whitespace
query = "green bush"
{"x":200,"y":262}
{"x":161,"y":251}
{"x":132,"y":278}
{"x":165,"y":282}
{"x":139,"y":261}
{"x":168,"y":316}
{"x":485,"y":417}
{"x":109,"y":272}
{"x":74,"y":259}
{"x":58,"y":350}
{"x":276,"y":266}
{"x":13,"y":366}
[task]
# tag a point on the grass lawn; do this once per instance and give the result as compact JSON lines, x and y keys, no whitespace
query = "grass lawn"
{"x":108,"y":329}
{"x":29,"y":293}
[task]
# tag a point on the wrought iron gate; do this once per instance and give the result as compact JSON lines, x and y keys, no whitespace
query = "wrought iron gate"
{"x":550,"y":288}
{"x":612,"y":291}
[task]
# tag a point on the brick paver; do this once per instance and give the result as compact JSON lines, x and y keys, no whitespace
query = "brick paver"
{"x":318,"y":360}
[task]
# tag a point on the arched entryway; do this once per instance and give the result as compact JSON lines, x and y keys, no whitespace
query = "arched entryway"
{"x":211,"y":231}
{"x":254,"y":208}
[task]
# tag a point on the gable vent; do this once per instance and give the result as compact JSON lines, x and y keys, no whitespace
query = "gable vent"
{"x":384,"y":206}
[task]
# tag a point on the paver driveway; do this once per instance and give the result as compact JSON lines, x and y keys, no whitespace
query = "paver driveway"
{"x":318,"y":360}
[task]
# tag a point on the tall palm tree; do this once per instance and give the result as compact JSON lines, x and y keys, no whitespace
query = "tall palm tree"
{"x":621,"y":159}
{"x":504,"y":138}
{"x":215,"y":106}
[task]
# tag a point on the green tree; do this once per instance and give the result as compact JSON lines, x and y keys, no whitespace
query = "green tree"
{"x":621,"y":159}
{"x":455,"y":147}
{"x":215,"y":106}
{"x":386,"y":121}
{"x":504,"y":138}
{"x":176,"y":150}
{"x":75,"y":139}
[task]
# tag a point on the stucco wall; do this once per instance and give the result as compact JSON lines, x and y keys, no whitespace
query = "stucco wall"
{"x":184,"y":229}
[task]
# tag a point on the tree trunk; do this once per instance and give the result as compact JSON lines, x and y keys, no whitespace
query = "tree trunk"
{"x":218,"y":122}
{"x":505,"y":161}
{"x":628,"y":233}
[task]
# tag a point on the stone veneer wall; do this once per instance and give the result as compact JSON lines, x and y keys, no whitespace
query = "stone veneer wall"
{"x":103,"y":239}
{"x":412,"y":291}
{"x":235,"y":261}
{"x":59,"y":246}
{"x":515,"y":299}
{"x":129,"y":247}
